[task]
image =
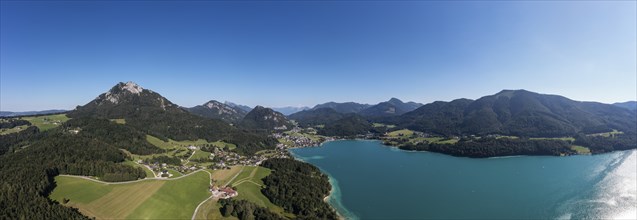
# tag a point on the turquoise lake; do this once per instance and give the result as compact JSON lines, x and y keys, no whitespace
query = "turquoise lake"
{"x":373,"y":181}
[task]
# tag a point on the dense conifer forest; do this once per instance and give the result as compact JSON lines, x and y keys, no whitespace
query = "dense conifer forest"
{"x":299,"y":188}
{"x":26,"y":175}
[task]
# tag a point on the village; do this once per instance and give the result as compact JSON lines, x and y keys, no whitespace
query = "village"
{"x":299,"y":138}
{"x":164,"y":166}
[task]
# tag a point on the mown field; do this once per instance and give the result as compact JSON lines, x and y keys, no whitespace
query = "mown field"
{"x":249,"y":185}
{"x":148,"y":199}
{"x":172,"y":143}
{"x":47,"y":122}
{"x":4,"y":131}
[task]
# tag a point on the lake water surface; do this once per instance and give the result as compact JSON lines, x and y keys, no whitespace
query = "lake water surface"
{"x":373,"y":181}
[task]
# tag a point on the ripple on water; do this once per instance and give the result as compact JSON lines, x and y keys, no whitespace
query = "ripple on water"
{"x":613,"y":197}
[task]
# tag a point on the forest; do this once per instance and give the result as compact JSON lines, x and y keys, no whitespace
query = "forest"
{"x":600,"y":144}
{"x":13,"y":122}
{"x":26,"y":175}
{"x":493,"y":147}
{"x":299,"y":188}
{"x":245,"y":210}
{"x":120,"y":135}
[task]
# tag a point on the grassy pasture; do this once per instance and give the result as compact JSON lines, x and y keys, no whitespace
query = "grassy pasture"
{"x":120,"y":121}
{"x":172,"y":143}
{"x":167,"y":199}
{"x":47,"y":122}
{"x":580,"y":149}
{"x":569,"y":139}
{"x":607,"y":134}
{"x":199,"y":154}
{"x":378,"y":125}
{"x":249,"y":185}
{"x":4,"y":131}
{"x":400,"y":133}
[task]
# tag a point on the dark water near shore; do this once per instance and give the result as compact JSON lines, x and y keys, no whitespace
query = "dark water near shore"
{"x":372,"y":181}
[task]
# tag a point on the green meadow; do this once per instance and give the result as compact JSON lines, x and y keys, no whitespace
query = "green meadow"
{"x":4,"y":131}
{"x":148,"y":199}
{"x":47,"y":122}
{"x":249,"y":184}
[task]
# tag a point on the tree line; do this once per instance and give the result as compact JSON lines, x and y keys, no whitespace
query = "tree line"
{"x":245,"y":210}
{"x":299,"y":188}
{"x":27,"y":175}
{"x":494,"y":147}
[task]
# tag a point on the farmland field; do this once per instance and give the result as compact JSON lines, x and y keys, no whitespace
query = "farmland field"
{"x":47,"y":122}
{"x":168,"y":199}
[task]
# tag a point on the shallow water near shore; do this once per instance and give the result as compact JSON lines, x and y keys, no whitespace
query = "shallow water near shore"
{"x":373,"y":181}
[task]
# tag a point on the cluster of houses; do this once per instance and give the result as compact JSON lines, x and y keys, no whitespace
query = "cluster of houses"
{"x":299,"y":140}
{"x":223,"y":192}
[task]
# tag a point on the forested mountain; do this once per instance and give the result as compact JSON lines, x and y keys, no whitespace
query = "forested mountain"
{"x":389,"y":108}
{"x":320,"y":116}
{"x":218,"y":110}
{"x":520,"y":113}
{"x":242,"y":107}
{"x":350,"y":125}
{"x":346,"y":107}
{"x":631,"y":105}
{"x":290,"y":109}
{"x":262,"y":118}
{"x":150,"y":113}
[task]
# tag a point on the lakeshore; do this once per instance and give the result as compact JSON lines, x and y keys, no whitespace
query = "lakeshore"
{"x":459,"y":187}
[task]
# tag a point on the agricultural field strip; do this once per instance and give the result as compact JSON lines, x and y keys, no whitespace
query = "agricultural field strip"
{"x":247,"y":179}
{"x":235,"y":176}
{"x":210,"y":197}
{"x":134,"y":181}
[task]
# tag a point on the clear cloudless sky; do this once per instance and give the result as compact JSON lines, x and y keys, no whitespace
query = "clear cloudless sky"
{"x":60,"y":54}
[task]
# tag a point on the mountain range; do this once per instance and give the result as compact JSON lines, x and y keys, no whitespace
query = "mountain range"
{"x":631,"y":105}
{"x":345,"y":107}
{"x":290,"y":109}
{"x":151,"y":113}
{"x":392,"y":107}
{"x":218,"y":110}
{"x":521,"y":113}
{"x":509,"y":112}
{"x":262,"y":118}
{"x":44,"y":112}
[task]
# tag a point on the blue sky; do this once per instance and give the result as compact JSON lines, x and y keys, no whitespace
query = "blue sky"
{"x":56,"y":55}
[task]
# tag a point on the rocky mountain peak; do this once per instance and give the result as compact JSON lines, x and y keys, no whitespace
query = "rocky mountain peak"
{"x":131,"y":87}
{"x":118,"y":91}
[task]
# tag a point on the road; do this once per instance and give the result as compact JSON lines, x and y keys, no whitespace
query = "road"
{"x":134,"y":181}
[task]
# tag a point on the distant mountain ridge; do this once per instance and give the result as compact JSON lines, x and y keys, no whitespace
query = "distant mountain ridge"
{"x":242,"y":107}
{"x":390,"y":108}
{"x":319,"y":116}
{"x":345,"y":107}
{"x":288,"y":110}
{"x":43,"y":112}
{"x":521,"y":113}
{"x":218,"y":110}
{"x":631,"y":105}
{"x":262,"y":118}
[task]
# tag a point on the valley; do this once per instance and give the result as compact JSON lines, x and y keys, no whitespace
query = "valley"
{"x":219,"y":161}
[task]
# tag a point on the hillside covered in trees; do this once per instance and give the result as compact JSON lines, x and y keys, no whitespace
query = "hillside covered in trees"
{"x":299,"y":188}
{"x":153,"y":114}
{"x":26,"y":175}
